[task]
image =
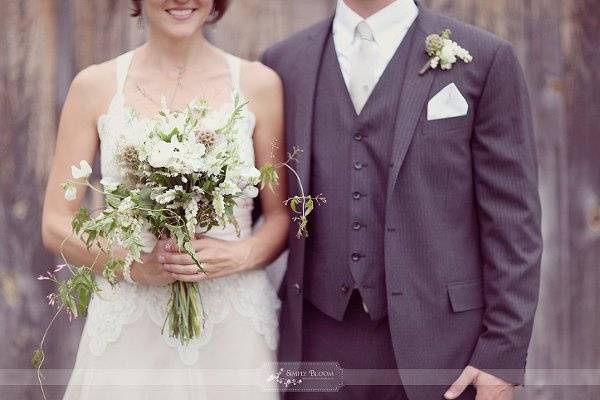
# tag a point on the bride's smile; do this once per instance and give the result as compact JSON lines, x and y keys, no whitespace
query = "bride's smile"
{"x":181,"y":14}
{"x":178,"y":18}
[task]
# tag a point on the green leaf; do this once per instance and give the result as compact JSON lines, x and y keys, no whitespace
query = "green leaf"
{"x":294,"y":204}
{"x":37,"y":357}
{"x":309,"y":206}
{"x":113,"y":200}
{"x":81,"y":216}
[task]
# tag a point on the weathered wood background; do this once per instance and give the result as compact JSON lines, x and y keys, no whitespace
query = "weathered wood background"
{"x":44,"y":43}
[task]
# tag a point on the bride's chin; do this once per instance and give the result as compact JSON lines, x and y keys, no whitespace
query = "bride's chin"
{"x":180,"y":32}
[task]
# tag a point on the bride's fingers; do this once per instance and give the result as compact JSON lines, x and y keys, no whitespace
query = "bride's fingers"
{"x":201,"y":277}
{"x":176,"y":258}
{"x":181,"y":269}
{"x":187,"y":278}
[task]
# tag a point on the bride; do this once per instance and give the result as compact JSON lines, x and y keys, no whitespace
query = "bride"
{"x":122,"y":353}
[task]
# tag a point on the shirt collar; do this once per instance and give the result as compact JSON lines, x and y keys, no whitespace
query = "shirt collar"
{"x":389,"y":21}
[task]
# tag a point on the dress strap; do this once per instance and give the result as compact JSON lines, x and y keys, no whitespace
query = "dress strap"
{"x":123,"y":63}
{"x":234,"y":71}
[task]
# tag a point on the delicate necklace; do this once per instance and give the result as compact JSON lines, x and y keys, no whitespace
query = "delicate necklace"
{"x":180,"y":71}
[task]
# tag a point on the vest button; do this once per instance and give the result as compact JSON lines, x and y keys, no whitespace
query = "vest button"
{"x":356,"y":226}
{"x":358,"y":166}
{"x":355,"y":257}
{"x":356,"y":195}
{"x":297,"y":288}
{"x":358,"y":136}
{"x":344,"y":288}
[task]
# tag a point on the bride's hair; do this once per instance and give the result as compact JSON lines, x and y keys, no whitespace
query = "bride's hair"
{"x":217,"y":13}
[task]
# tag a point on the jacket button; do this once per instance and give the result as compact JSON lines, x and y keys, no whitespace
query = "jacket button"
{"x":358,"y":166}
{"x":356,"y":226}
{"x":356,"y":195}
{"x":355,"y":257}
{"x":358,"y":136}
{"x":344,"y":288}
{"x":297,"y":288}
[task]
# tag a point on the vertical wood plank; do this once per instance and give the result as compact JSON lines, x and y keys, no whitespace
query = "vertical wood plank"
{"x":582,"y":88}
{"x":251,"y":26}
{"x":27,"y":116}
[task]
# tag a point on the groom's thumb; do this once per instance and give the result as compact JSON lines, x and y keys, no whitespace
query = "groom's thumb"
{"x":465,"y":379}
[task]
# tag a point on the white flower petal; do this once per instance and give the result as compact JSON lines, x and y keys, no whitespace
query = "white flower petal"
{"x":70,"y":192}
{"x":109,"y":183}
{"x":84,"y":170}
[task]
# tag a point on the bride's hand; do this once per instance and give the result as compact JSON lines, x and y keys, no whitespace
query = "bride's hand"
{"x":151,"y":271}
{"x":218,"y":257}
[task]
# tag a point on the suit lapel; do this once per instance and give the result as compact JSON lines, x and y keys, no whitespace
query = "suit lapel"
{"x":307,"y":71}
{"x":414,"y":93}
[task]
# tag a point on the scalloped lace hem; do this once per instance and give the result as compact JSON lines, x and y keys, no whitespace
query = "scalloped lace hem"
{"x":250,"y":294}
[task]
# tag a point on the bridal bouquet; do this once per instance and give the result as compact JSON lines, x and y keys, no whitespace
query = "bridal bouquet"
{"x":183,"y":172}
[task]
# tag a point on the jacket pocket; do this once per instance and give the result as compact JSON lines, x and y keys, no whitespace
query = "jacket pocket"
{"x":466,"y":295}
{"x":446,"y":126}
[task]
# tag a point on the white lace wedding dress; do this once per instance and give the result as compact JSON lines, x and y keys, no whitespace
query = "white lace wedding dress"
{"x":122,"y":353}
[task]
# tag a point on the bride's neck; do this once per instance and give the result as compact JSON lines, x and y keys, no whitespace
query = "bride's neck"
{"x":166,"y":53}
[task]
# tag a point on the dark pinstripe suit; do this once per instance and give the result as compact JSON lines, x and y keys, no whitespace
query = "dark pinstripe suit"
{"x":462,"y":242}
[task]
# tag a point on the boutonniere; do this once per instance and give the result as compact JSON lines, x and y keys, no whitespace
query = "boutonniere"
{"x":443,"y":51}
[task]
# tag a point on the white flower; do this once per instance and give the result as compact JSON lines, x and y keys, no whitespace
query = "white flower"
{"x":448,"y":53}
{"x":190,"y":156}
{"x":199,"y":106}
{"x":166,"y":197}
{"x":443,"y":52}
{"x":70,"y":191}
{"x":191,"y":209}
{"x":109,"y":183}
{"x":84,"y":170}
{"x":250,"y":191}
{"x":219,"y":204}
{"x":215,"y":120}
{"x":161,"y":154}
{"x":126,"y":205}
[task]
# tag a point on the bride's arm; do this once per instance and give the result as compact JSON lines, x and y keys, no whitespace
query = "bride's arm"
{"x":266,"y":101}
{"x":78,"y":140}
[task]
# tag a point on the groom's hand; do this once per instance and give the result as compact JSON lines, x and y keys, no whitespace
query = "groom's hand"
{"x":488,"y":386}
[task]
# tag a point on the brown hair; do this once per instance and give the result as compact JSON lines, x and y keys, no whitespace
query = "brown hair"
{"x":219,"y":8}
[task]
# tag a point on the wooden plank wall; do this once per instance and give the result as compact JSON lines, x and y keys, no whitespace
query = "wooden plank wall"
{"x":44,"y":43}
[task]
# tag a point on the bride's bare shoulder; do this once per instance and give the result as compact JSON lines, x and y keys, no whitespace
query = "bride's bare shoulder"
{"x":97,"y":76}
{"x":260,"y":80}
{"x":95,"y":85}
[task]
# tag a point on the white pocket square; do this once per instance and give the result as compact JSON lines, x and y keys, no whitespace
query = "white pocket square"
{"x":448,"y":103}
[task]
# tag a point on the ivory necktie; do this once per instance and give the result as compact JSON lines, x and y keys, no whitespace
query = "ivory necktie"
{"x":362,"y":68}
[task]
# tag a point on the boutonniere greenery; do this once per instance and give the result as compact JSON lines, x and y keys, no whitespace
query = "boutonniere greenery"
{"x":443,"y":52}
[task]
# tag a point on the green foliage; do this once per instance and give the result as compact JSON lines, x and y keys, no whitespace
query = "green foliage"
{"x":268,"y":176}
{"x":37,"y":358}
{"x":111,"y":269}
{"x":76,"y":292}
{"x":81,"y":216}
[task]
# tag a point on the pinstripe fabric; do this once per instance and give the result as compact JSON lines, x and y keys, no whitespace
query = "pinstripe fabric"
{"x":462,"y":242}
{"x":350,"y":164}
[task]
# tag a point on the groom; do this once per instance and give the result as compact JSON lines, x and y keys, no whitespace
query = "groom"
{"x":425,"y":259}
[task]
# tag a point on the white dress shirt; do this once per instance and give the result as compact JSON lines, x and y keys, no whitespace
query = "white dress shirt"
{"x":389,"y":26}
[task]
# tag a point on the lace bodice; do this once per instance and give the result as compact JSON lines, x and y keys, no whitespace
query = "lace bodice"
{"x":249,"y":294}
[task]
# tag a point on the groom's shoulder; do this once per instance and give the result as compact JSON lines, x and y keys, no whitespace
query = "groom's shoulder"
{"x":287,"y":49}
{"x":478,"y":41}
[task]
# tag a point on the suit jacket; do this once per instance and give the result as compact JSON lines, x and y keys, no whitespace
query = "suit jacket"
{"x":462,"y":241}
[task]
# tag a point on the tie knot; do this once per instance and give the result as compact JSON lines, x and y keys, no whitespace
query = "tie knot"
{"x":364,"y":32}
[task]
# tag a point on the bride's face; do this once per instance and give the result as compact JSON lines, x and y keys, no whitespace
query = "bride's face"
{"x":177,"y":18}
